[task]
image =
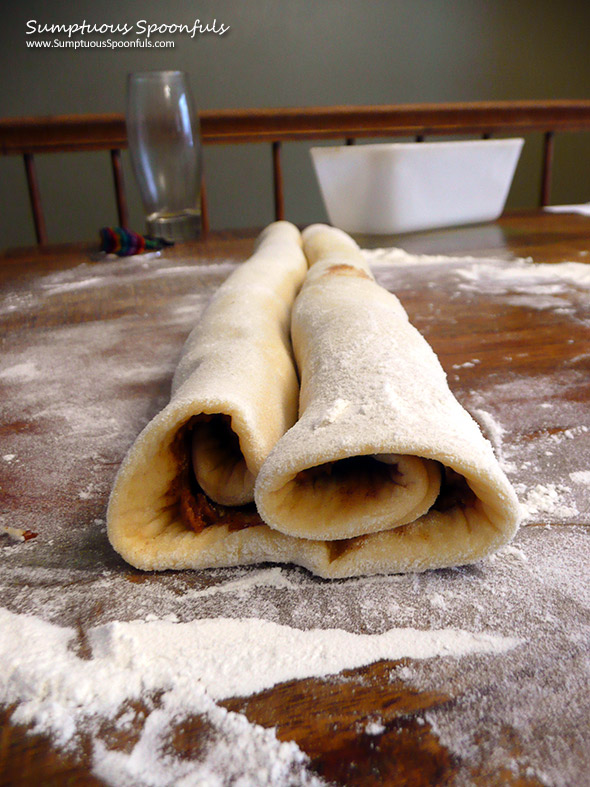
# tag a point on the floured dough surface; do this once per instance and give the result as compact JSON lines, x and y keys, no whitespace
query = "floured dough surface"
{"x":234,"y":394}
{"x":379,"y":470}
{"x":372,"y":389}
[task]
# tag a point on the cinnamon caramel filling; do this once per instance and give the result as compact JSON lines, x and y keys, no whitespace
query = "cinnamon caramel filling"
{"x":196,"y":509}
{"x":350,"y":476}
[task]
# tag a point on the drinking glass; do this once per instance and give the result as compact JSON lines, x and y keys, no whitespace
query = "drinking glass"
{"x":164,"y":143}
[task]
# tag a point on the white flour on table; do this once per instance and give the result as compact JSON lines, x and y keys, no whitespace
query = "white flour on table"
{"x":190,"y":665}
{"x":79,"y":389}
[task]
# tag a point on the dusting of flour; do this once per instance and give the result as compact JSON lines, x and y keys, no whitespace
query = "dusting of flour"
{"x":88,"y":645}
{"x":189,"y":666}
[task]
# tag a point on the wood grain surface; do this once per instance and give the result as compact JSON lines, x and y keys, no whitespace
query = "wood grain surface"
{"x":517,"y":348}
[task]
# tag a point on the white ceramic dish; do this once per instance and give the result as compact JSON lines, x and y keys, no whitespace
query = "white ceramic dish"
{"x":409,"y":186}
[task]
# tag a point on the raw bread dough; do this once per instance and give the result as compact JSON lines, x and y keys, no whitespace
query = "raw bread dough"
{"x":384,"y":471}
{"x":234,"y":394}
{"x":383,"y":459}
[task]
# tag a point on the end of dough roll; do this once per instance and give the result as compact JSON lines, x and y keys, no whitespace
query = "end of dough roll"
{"x":382,"y":453}
{"x":234,"y":394}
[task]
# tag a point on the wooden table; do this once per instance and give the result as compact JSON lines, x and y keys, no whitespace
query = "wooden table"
{"x":89,"y":348}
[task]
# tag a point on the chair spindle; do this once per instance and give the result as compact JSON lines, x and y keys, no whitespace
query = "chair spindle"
{"x":35,"y":199}
{"x":119,"y":183}
{"x":548,"y":149}
{"x":277,"y":170}
{"x":205,"y":226}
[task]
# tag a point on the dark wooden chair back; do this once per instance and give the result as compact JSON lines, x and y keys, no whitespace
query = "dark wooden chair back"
{"x":28,"y":137}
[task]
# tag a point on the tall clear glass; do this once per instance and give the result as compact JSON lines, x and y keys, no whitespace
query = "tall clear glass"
{"x":164,"y":143}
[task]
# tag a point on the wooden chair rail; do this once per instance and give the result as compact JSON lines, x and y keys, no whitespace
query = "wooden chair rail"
{"x":68,"y":133}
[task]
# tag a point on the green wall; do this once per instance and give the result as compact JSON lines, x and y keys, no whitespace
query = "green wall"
{"x":286,"y":53}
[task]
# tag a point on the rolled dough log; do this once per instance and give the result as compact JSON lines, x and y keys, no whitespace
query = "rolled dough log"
{"x":383,"y":472}
{"x":384,"y":465}
{"x":234,"y":393}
